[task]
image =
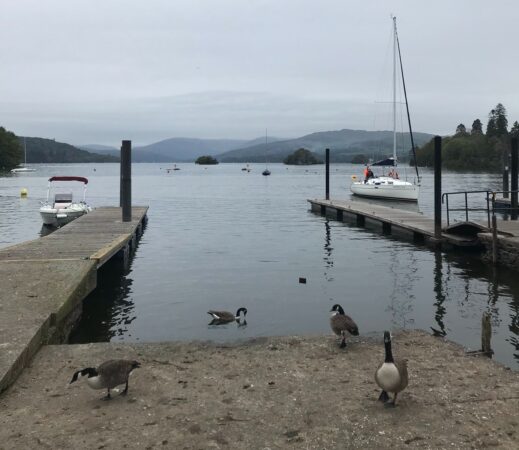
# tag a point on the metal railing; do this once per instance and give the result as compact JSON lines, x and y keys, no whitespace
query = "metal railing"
{"x":490,"y":200}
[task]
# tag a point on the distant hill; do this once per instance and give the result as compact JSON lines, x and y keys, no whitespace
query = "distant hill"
{"x":138,"y":155}
{"x":178,"y":149}
{"x":97,"y":148}
{"x":343,"y":145}
{"x":188,"y":149}
{"x":40,"y":150}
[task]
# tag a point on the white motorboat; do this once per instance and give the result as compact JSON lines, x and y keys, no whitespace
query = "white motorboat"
{"x":24,"y":168}
{"x":391,"y":187}
{"x":63,"y":209}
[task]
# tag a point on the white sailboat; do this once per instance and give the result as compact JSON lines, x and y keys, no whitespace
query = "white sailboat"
{"x":24,"y":168}
{"x":391,"y":187}
{"x":266,"y":172}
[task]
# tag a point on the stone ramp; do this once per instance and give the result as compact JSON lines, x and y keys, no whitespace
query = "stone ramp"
{"x":43,"y":282}
{"x":276,"y":393}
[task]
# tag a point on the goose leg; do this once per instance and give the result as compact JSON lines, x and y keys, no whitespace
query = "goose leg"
{"x":343,"y":341}
{"x":108,"y":397}
{"x":392,"y":403}
{"x":125,"y":389}
{"x":383,"y":397}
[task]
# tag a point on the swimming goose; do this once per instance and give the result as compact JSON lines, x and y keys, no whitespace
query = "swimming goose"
{"x":341,"y":323}
{"x":220,"y":317}
{"x":108,"y":375}
{"x":391,"y":376}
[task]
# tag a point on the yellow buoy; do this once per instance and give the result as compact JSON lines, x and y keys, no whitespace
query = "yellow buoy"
{"x":354,"y":177}
{"x":23,"y":192}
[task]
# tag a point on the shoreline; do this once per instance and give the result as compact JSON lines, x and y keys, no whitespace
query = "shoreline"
{"x":281,"y":392}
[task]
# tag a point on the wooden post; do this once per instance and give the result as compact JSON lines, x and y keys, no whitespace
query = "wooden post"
{"x":437,"y":187}
{"x":506,"y":183}
{"x":494,"y":239}
{"x":126,"y":180}
{"x":513,"y":180}
{"x":486,"y":334}
{"x":327,"y":152}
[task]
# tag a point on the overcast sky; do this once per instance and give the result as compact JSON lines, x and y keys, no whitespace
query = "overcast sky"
{"x":98,"y":71}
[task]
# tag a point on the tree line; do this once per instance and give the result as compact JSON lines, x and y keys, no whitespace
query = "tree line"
{"x":474,"y":149}
{"x":40,"y":150}
{"x":11,"y":152}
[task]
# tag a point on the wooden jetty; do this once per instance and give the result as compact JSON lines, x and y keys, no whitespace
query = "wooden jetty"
{"x":43,"y":281}
{"x":396,"y":221}
{"x":414,"y":225}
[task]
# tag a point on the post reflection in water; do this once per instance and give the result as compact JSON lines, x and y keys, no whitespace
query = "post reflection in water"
{"x":484,"y":288}
{"x":439,"y":295}
{"x":328,"y":261}
{"x":404,"y":270}
{"x":109,"y":309}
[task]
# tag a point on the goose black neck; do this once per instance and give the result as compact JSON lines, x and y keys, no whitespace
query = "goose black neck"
{"x":389,"y":353}
{"x":90,"y":371}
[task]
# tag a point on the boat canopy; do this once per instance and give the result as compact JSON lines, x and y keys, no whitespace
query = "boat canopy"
{"x":81,"y":179}
{"x":385,"y":162}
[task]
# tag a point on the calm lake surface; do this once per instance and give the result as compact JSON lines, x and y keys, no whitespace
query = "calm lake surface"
{"x":220,"y":238}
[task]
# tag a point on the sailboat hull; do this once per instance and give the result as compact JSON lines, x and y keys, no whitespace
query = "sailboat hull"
{"x":22,"y":170}
{"x":386,"y":188}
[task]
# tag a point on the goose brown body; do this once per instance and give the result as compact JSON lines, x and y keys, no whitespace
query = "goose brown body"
{"x":108,"y":375}
{"x":220,"y":317}
{"x":115,"y":372}
{"x":341,"y":324}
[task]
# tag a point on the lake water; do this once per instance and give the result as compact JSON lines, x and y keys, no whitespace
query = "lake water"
{"x":220,"y":238}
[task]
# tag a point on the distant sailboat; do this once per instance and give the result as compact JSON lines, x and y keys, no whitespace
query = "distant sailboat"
{"x":24,"y":168}
{"x":266,"y":172}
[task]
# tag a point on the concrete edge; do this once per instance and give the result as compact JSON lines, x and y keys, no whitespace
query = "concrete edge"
{"x":56,"y":325}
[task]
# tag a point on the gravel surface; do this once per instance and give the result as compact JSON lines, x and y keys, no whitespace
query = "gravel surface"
{"x":273,"y":393}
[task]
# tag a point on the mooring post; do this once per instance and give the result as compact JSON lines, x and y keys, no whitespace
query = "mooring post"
{"x":486,"y":334}
{"x":327,"y":153}
{"x":513,"y":180}
{"x":506,"y":183}
{"x":438,"y":187}
{"x":126,"y":180}
{"x":494,"y":239}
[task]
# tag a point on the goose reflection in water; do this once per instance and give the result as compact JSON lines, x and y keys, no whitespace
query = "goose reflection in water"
{"x":218,"y":323}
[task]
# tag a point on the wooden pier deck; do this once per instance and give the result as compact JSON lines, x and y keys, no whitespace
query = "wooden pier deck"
{"x":43,"y":281}
{"x":413,"y":224}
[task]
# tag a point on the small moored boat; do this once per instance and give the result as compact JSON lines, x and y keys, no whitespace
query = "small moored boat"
{"x":63,"y":208}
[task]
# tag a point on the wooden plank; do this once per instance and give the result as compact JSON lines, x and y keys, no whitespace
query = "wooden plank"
{"x":102,"y":230}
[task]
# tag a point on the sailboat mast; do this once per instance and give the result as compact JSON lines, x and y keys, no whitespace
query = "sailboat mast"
{"x":394,"y":90}
{"x":407,"y":105}
{"x":24,"y":151}
{"x":265,"y":147}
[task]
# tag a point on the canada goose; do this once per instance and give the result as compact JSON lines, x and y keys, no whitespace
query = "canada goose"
{"x":391,"y":376}
{"x":108,"y":375}
{"x":221,"y":317}
{"x":341,"y":323}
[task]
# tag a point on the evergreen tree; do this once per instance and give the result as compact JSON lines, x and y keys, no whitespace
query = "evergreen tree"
{"x":514,"y":131}
{"x":477,"y":127}
{"x":11,"y":153}
{"x":501,"y":120}
{"x":491,"y":124}
{"x":461,"y":130}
